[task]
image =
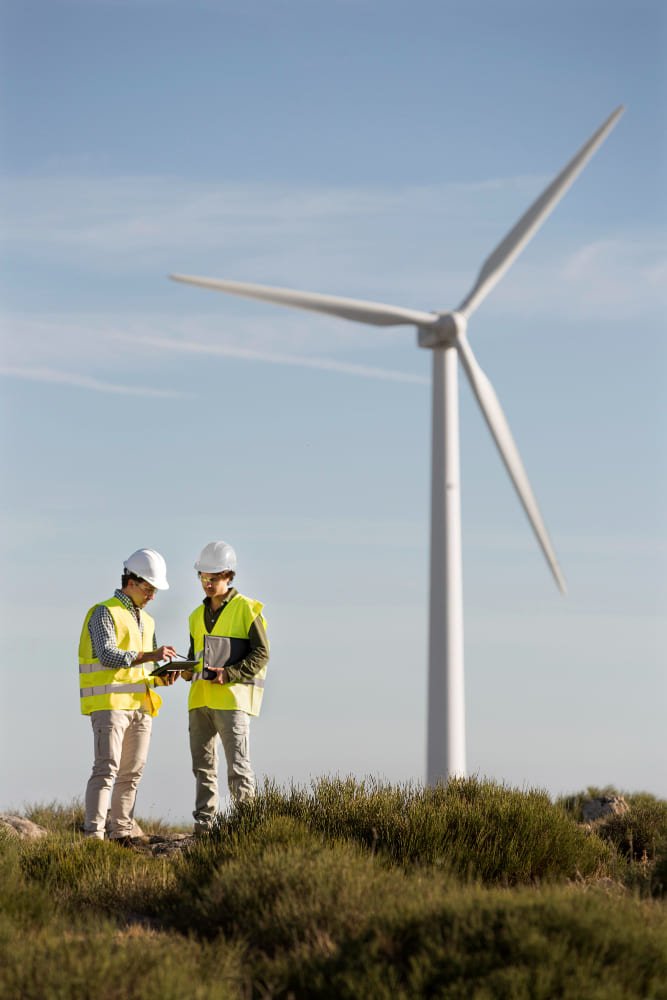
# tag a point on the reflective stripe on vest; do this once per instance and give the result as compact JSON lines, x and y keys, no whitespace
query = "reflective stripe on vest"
{"x":112,"y":689}
{"x":89,"y":668}
{"x":234,"y":622}
{"x":127,"y":688}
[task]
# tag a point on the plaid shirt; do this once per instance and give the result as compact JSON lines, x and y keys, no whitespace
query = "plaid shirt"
{"x":103,"y":635}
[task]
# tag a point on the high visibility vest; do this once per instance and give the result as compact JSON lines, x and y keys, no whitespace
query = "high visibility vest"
{"x":234,"y":622}
{"x":129,"y":688}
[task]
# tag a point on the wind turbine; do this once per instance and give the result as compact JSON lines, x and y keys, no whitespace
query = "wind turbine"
{"x":444,"y":333}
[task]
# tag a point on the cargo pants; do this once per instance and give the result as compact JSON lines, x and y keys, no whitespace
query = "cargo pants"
{"x":233,"y":728}
{"x":121,"y":740}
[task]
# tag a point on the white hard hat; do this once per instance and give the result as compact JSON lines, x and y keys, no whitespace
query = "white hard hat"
{"x":215,"y":558}
{"x":150,"y":566}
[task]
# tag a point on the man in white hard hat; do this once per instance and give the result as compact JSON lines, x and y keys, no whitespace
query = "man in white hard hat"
{"x":228,"y":638}
{"x":117,"y":692}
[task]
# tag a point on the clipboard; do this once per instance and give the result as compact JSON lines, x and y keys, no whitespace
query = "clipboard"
{"x":222,"y":651}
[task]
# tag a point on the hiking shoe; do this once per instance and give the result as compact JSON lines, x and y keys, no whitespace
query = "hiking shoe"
{"x":131,"y":842}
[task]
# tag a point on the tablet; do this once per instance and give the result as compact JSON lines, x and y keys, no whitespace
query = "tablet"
{"x":173,"y":666}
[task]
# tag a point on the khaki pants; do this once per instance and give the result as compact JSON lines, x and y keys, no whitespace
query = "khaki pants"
{"x":233,"y":728}
{"x":121,"y":748}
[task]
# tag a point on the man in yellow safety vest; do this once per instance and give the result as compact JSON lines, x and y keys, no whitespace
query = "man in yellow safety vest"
{"x":118,"y":693}
{"x":228,"y":638}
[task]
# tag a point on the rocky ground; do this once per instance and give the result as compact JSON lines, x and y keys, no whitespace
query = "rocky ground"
{"x":153,"y":844}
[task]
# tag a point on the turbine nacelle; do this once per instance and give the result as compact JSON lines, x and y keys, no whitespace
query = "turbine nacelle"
{"x":445,"y":332}
{"x":448,"y":329}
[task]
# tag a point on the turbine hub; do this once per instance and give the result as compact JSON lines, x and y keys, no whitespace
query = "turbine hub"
{"x":444,"y":332}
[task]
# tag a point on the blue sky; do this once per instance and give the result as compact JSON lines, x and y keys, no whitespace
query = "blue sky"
{"x":362,"y":148}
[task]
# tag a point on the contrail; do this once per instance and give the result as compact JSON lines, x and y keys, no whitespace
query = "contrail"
{"x":85,"y":382}
{"x":270,"y":357}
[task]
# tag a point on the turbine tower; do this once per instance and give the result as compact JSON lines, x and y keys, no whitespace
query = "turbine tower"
{"x":444,"y":334}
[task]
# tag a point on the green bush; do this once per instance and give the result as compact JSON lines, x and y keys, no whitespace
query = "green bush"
{"x":344,"y":890}
{"x":640,"y":833}
{"x":329,"y":919}
{"x":80,"y":872}
{"x":51,"y":949}
{"x":639,"y":836}
{"x":478,"y":829}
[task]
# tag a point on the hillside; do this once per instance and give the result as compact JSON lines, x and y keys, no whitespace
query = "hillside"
{"x":346,"y":889}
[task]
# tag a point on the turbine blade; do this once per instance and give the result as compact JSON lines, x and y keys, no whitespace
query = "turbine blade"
{"x":375,"y":313}
{"x":513,"y":243}
{"x":497,"y":423}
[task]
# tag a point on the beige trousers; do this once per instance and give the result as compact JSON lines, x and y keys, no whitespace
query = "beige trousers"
{"x":121,"y":747}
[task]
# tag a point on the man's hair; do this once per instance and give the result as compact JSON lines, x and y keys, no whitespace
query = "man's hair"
{"x":228,"y":573}
{"x":127,"y":576}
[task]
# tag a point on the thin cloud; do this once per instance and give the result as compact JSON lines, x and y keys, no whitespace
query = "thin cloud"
{"x":135,"y":215}
{"x":85,"y":382}
{"x":348,"y":240}
{"x":611,"y":279}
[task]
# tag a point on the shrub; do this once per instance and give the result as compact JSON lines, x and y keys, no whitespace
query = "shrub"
{"x":639,"y":836}
{"x":477,"y":829}
{"x":51,"y":949}
{"x":92,"y":873}
{"x":639,"y":833}
{"x":345,"y":890}
{"x":326,"y":919}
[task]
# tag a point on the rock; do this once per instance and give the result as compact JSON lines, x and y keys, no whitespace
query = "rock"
{"x":603,"y":806}
{"x":163,"y":845}
{"x":22,"y":828}
{"x":171,"y":844}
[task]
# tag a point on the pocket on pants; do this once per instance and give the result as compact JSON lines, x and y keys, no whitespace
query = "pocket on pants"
{"x":107,"y":741}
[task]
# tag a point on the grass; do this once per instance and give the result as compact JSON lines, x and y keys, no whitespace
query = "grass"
{"x":344,"y":890}
{"x":477,"y":829}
